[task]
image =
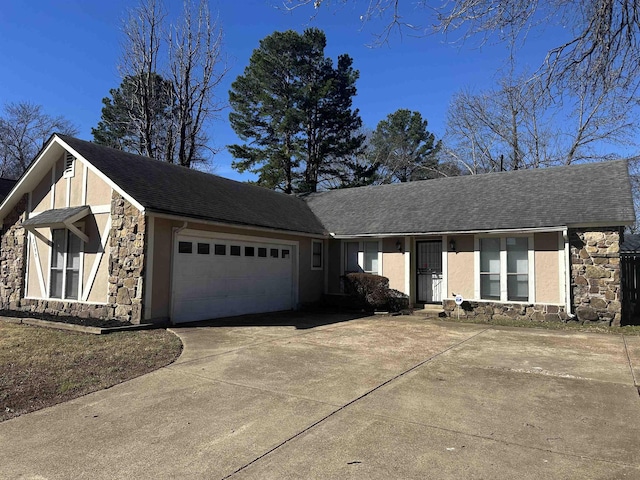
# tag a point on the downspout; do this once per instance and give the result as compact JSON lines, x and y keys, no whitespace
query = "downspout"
{"x":567,"y":274}
{"x":176,"y":231}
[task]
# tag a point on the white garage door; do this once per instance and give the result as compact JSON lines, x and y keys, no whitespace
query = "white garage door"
{"x":215,"y":277}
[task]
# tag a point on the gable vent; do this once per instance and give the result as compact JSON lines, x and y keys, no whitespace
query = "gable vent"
{"x":69,"y":165}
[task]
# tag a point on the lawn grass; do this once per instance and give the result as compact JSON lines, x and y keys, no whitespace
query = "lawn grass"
{"x":40,"y":367}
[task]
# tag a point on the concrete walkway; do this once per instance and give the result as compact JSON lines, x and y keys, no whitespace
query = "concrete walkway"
{"x":370,"y":398}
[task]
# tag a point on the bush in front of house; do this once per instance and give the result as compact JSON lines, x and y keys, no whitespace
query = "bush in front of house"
{"x":372,"y":292}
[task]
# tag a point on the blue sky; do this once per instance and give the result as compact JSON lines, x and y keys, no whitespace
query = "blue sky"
{"x":63,"y":55}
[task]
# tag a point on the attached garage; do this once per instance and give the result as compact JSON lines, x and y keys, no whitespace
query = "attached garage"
{"x":219,"y":276}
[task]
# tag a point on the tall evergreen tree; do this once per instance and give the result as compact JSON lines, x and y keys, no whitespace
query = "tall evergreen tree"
{"x":293,"y":110}
{"x":404,"y":148}
{"x":123,"y":124}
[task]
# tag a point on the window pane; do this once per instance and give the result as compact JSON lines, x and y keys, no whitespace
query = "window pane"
{"x":185,"y":247}
{"x":351,"y":257}
{"x":518,"y":288}
{"x":490,"y":286}
{"x":285,"y":253}
{"x":517,"y":255}
{"x":73,"y":255}
{"x":274,"y":253}
{"x":490,"y":255}
{"x":71,"y":290}
{"x":249,"y":252}
{"x":220,"y":249}
{"x":203,"y":248}
{"x":56,"y":284}
{"x":316,"y":261}
{"x":57,"y":257}
{"x":235,"y":250}
{"x":371,"y":257}
{"x":262,"y":252}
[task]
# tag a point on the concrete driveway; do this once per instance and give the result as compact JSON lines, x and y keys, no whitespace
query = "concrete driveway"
{"x":373,"y":398}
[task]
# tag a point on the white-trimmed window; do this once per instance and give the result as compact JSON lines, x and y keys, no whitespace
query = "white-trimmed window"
{"x":505,"y":268}
{"x":64,"y":280}
{"x":362,"y":256}
{"x":316,"y":255}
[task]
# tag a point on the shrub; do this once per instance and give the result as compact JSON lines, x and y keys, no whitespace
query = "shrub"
{"x":372,"y":292}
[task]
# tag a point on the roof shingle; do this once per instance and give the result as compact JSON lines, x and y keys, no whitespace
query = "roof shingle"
{"x":165,"y":188}
{"x":548,"y":197}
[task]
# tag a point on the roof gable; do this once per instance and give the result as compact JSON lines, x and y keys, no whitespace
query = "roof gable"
{"x":597,"y":193}
{"x":165,"y":188}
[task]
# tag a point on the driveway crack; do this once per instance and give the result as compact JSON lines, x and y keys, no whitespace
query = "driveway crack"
{"x":368,"y":392}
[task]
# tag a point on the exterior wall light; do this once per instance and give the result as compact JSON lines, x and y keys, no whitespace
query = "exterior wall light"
{"x":399,"y":245}
{"x":452,"y":245}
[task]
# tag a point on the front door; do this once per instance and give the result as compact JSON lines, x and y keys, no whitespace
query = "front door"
{"x":429,"y":270}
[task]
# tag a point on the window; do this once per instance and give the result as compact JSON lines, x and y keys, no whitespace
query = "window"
{"x":249,"y":252}
{"x":65,"y":265}
{"x":351,"y":264}
{"x":285,"y":253}
{"x":185,"y":247}
{"x":504,"y":269}
{"x":220,"y":249}
{"x":203,"y":248}
{"x":274,"y":253}
{"x":518,"y":269}
{"x":490,"y":268}
{"x":371,"y":257}
{"x":316,"y":254}
{"x":235,"y":250}
{"x":262,"y":252}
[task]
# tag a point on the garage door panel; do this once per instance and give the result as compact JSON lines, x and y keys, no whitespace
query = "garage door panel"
{"x":260,"y":279}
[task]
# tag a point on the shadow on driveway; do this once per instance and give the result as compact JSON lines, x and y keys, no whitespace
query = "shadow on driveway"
{"x":301,"y":320}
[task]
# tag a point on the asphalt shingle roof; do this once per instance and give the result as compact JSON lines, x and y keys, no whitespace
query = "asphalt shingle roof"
{"x":59,"y":215}
{"x":165,"y":188}
{"x":559,"y":196}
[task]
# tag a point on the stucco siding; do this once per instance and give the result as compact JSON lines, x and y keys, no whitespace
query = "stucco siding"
{"x":76,"y":186}
{"x":60,"y":200}
{"x":393,"y":263}
{"x":98,"y":191}
{"x":94,"y":228}
{"x":546,"y":267}
{"x":33,"y":283}
{"x":41,"y":195}
{"x":460,"y":267}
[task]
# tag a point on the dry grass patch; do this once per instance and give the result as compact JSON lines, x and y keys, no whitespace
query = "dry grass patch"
{"x":40,"y":367}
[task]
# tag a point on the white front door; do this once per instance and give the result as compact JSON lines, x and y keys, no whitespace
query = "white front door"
{"x":216,"y":277}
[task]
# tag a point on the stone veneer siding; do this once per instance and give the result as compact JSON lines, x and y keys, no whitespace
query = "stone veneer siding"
{"x":13,"y":249}
{"x":126,"y":262}
{"x":506,"y":311}
{"x":595,"y":275}
{"x":126,"y":268}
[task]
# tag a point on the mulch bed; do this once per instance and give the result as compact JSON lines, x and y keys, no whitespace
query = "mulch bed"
{"x":85,"y":322}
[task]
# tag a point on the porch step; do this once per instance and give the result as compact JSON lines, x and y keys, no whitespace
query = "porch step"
{"x":429,"y":309}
